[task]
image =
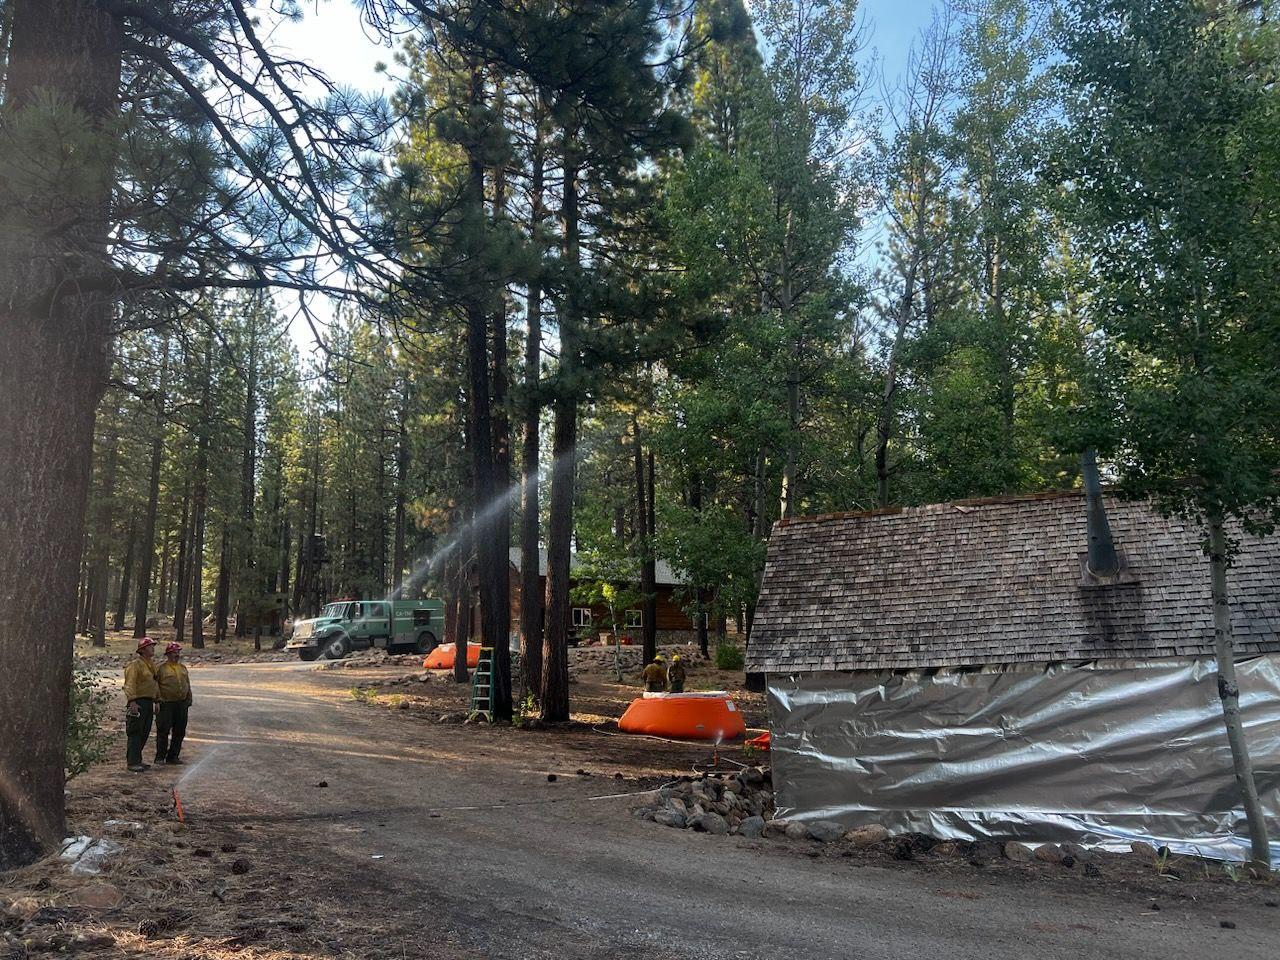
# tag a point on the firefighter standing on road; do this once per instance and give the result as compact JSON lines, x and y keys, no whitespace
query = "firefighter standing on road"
{"x":175,"y":700}
{"x":142,"y":696}
{"x":675,"y":675}
{"x":655,"y":676}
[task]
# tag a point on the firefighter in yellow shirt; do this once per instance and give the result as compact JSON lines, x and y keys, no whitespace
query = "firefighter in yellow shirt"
{"x":175,"y":700}
{"x":142,"y":698}
{"x":655,"y":676}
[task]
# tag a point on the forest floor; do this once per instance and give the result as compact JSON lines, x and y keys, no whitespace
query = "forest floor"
{"x":322,"y":824}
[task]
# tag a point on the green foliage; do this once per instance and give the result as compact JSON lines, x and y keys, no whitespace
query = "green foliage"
{"x":729,"y":656}
{"x":88,"y":735}
{"x":1173,"y":164}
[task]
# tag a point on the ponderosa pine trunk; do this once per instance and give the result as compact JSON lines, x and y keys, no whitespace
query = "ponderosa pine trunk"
{"x":180,"y":585}
{"x":100,"y":541}
{"x":126,"y":573}
{"x":644,"y":549}
{"x":531,"y":597}
{"x":147,"y":547}
{"x":503,"y":707}
{"x":53,"y":363}
{"x":222,"y":593}
{"x":199,"y":509}
{"x":564,"y":443}
{"x":1229,"y":694}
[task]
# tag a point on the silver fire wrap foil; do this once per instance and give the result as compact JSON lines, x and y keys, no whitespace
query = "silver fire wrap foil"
{"x":1101,"y":753}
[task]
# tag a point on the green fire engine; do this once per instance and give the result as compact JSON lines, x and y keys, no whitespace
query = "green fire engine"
{"x":399,"y":626}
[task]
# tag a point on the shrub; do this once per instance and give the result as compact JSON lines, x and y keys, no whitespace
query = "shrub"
{"x":729,"y":656}
{"x":88,"y":736}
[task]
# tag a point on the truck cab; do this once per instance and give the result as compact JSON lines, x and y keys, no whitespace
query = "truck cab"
{"x":399,"y":626}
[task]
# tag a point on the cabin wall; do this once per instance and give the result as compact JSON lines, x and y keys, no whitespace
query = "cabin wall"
{"x":1104,"y":753}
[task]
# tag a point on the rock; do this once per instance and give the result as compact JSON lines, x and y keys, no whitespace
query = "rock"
{"x":753,"y":776}
{"x":711,"y":823}
{"x":1091,"y":870}
{"x":1144,"y":850}
{"x":1050,"y":853}
{"x":675,"y":803}
{"x":1075,"y":850}
{"x":228,"y":848}
{"x":1227,"y":924}
{"x":751,"y":827}
{"x":670,"y":817}
{"x":947,"y":849}
{"x":98,"y":896}
{"x":1017,"y":852}
{"x":322,"y":784}
{"x":240,"y":866}
{"x":868,"y":835}
{"x":776,"y":828}
{"x":826,"y":831}
{"x":903,"y":850}
{"x":551,"y":778}
{"x":796,"y":831}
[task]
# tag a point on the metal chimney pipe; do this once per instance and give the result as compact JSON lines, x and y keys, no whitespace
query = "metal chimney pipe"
{"x":1103,"y":561}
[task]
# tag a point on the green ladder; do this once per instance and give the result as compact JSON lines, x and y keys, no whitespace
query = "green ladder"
{"x":482,"y":686}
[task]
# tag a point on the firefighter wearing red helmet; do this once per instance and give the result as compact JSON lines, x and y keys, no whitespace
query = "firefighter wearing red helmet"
{"x":175,"y":700}
{"x":142,"y":698}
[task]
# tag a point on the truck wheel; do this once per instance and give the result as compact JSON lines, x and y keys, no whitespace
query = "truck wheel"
{"x":426,"y":642}
{"x":308,"y":654}
{"x":337,"y":648}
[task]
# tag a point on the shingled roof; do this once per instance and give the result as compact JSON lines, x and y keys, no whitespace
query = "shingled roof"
{"x":997,"y":581}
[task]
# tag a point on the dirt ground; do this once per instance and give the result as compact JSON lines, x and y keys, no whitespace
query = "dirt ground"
{"x":325,"y":824}
{"x":120,"y":646}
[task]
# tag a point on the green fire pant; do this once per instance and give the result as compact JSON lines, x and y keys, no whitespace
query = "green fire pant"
{"x":171,"y":727}
{"x":137,"y":729}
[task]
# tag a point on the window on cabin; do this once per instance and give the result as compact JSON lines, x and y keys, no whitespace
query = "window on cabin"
{"x":582,"y":616}
{"x":635,"y":619}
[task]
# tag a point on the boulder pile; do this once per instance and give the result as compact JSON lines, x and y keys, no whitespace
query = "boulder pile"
{"x":741,"y":803}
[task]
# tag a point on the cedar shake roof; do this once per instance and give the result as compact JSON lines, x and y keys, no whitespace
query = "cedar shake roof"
{"x":998,"y":581}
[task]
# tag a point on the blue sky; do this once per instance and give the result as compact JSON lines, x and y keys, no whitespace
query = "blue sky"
{"x":331,"y":36}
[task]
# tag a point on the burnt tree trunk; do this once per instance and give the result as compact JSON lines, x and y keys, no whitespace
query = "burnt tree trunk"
{"x":53,"y":366}
{"x":126,"y":573}
{"x":148,"y":544}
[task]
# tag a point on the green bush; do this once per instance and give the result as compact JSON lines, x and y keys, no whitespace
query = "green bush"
{"x":729,"y":656}
{"x":88,"y":735}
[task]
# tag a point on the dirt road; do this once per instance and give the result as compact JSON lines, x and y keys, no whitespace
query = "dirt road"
{"x":575,"y":878}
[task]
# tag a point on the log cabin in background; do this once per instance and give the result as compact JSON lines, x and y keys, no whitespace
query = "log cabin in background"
{"x":674,"y":625}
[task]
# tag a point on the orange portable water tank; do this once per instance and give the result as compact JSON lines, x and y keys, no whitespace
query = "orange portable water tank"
{"x":685,"y":716}
{"x":441,"y":658}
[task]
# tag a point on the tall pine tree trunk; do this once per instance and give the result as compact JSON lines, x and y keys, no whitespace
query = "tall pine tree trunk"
{"x":222,"y":594}
{"x":531,"y":598}
{"x":564,"y":442}
{"x":101,"y":539}
{"x":126,"y":573}
{"x":1229,"y":693}
{"x":181,"y":585}
{"x":53,"y":366}
{"x":195,"y":567}
{"x":148,"y":545}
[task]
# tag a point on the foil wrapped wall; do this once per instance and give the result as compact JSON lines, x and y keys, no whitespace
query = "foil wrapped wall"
{"x":1101,"y":753}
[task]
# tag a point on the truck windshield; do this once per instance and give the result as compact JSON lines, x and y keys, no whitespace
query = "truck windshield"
{"x":333,"y":610}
